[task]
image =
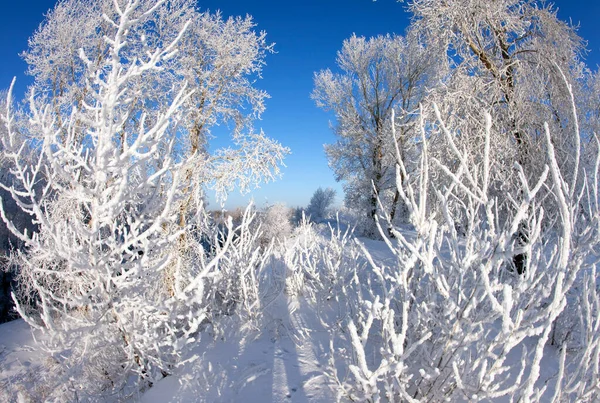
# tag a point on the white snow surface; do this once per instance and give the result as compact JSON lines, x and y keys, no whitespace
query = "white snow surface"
{"x":19,"y":358}
{"x":282,"y":364}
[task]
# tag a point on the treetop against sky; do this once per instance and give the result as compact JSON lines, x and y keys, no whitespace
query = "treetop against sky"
{"x":307,"y":36}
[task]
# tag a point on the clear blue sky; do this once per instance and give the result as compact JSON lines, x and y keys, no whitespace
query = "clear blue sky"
{"x":307,"y":35}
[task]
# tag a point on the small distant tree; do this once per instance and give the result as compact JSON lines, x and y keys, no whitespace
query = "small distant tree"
{"x":298,"y":215}
{"x":319,"y":205}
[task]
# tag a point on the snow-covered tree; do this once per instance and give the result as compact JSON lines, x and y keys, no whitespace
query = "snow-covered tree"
{"x":103,"y":216}
{"x":117,"y":276}
{"x":514,"y":59}
{"x":320,"y":204}
{"x":220,"y":59}
{"x":376,"y":75}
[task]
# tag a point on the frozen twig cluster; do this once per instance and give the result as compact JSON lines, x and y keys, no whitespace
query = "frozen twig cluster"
{"x":450,"y":318}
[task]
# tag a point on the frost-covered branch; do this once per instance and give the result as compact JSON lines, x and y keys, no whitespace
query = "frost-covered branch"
{"x":448,"y":318}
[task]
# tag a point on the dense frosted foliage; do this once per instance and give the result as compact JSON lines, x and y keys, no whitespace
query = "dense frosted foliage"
{"x":117,"y":275}
{"x":514,"y":59}
{"x":451,"y":319}
{"x":484,"y":288}
{"x":276,"y":223}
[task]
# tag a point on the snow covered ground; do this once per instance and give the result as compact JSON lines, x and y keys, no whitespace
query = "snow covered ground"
{"x":19,"y":359}
{"x":285,"y":363}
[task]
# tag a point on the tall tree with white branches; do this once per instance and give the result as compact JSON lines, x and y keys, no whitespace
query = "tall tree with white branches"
{"x":220,"y":59}
{"x":516,"y":60}
{"x":110,"y":122}
{"x":375,"y":76}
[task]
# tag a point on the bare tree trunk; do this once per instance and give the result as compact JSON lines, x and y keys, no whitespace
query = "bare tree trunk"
{"x":393,"y":211}
{"x":377,"y":168}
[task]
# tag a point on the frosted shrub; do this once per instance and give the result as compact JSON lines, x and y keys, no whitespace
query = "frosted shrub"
{"x":323,"y":264}
{"x":242,"y":282}
{"x":104,"y":221}
{"x":305,"y":245}
{"x":275,"y":223}
{"x":449,"y":319}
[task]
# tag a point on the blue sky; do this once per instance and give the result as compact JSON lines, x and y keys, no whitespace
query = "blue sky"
{"x":307,"y":35}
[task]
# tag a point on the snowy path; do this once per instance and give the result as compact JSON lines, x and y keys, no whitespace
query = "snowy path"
{"x":283,"y":365}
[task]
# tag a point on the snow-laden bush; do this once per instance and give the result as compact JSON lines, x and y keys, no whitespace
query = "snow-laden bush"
{"x":450,"y":319}
{"x":92,"y":274}
{"x":322,"y":263}
{"x":275,"y":223}
{"x":18,"y":217}
{"x":245,"y":277}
